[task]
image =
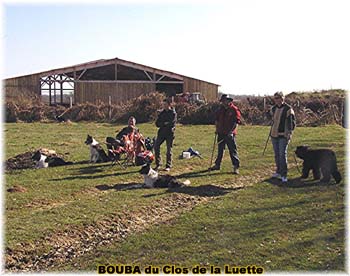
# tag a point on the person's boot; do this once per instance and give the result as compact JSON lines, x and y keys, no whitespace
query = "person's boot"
{"x":235,"y":170}
{"x":214,"y":168}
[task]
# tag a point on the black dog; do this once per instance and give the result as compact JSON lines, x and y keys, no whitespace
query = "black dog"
{"x":60,"y":118}
{"x":319,"y":161}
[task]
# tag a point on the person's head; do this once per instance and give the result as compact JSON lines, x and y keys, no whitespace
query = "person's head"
{"x":278,"y":97}
{"x":132,"y":121}
{"x":225,"y":100}
{"x":167,"y":103}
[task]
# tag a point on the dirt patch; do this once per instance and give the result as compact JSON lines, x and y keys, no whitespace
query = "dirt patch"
{"x":17,"y":189}
{"x":65,"y":245}
{"x":76,"y":241}
{"x":20,"y":161}
{"x":24,"y":160}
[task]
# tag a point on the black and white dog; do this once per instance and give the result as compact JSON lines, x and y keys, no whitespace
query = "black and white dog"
{"x":43,"y":161}
{"x":153,"y":180}
{"x":97,"y":154}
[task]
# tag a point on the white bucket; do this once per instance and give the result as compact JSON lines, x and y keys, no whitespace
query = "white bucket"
{"x":186,"y":155}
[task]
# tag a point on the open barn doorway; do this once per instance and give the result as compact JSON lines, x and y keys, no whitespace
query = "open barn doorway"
{"x":57,"y":90}
{"x":170,"y":89}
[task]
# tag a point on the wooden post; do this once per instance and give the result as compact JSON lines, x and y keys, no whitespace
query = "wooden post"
{"x":110,"y":107}
{"x":74,"y":83}
{"x":54,"y":90}
{"x":264,"y":103}
{"x":70,"y":102}
{"x":50,"y":97}
{"x":61,"y":88}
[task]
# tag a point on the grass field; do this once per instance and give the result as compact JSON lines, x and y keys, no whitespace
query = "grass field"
{"x":76,"y":217}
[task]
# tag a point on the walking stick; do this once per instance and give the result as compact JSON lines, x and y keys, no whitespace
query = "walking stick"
{"x":212,"y":153}
{"x":295,"y":159}
{"x":64,"y":112}
{"x":268,"y":138}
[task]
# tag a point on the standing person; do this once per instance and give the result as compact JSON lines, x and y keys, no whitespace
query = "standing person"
{"x":283,"y":124}
{"x":166,"y":122}
{"x":227,"y":118}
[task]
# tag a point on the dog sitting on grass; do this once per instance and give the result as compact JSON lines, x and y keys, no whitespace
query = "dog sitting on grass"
{"x":97,"y":154}
{"x":153,"y":180}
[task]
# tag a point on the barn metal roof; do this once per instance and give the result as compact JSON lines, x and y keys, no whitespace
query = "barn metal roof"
{"x":104,"y":62}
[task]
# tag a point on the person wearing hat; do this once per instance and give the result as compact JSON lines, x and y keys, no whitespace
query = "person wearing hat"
{"x":283,"y":125}
{"x":227,"y":118}
{"x":166,"y":123}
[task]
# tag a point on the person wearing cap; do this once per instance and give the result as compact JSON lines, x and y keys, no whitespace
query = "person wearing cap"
{"x":283,"y":125}
{"x":227,"y":118}
{"x":166,"y":121}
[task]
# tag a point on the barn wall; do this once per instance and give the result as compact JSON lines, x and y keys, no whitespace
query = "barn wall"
{"x":208,"y":90}
{"x":22,"y":86}
{"x":95,"y":92}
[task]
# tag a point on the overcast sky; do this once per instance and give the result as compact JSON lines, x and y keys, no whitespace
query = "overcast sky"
{"x":246,"y":46}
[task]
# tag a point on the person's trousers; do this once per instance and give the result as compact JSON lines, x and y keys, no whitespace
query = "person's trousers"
{"x":280,"y":147}
{"x":230,"y":141}
{"x":169,"y":139}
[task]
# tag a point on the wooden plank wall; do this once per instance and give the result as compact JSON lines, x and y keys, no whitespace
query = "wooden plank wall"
{"x":97,"y":92}
{"x":208,"y":90}
{"x":22,"y":86}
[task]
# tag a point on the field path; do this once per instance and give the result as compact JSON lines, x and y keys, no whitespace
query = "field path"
{"x":65,"y":245}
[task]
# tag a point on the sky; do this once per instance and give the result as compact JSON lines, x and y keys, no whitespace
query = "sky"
{"x":246,"y":46}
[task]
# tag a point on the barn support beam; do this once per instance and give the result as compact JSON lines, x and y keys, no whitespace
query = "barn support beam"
{"x":148,"y":76}
{"x":50,"y":96}
{"x":116,"y":70}
{"x":130,"y":81}
{"x":61,"y":88}
{"x":82,"y":73}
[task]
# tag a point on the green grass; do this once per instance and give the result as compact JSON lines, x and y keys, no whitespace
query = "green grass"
{"x":299,"y":227}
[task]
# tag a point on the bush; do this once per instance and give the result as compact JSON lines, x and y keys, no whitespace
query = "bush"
{"x":311,"y":109}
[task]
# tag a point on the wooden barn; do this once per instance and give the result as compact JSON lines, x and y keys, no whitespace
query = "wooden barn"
{"x":105,"y":80}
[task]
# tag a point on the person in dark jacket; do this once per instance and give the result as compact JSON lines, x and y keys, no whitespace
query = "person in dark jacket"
{"x":227,"y":119}
{"x":166,"y":123}
{"x":283,"y":124}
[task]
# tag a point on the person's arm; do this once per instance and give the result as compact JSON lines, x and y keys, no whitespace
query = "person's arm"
{"x":173,"y":118}
{"x":160,"y":120}
{"x":238,"y":115}
{"x":290,"y":123}
{"x":268,"y":113}
{"x":121,"y":133}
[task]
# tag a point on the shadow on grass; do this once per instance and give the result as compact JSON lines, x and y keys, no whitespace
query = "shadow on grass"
{"x":92,"y":177}
{"x":297,"y":183}
{"x":201,"y":173}
{"x":207,"y":190}
{"x":120,"y":187}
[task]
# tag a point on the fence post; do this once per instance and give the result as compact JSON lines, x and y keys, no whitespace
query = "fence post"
{"x":70,"y":102}
{"x":110,"y":107}
{"x":264,"y":103}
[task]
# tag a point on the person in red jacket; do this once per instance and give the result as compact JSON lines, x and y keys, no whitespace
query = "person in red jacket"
{"x":227,"y":119}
